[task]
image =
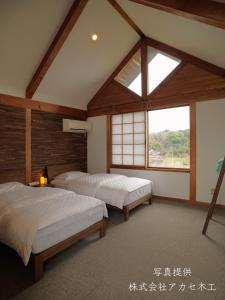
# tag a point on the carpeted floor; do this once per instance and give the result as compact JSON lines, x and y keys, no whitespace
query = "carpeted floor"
{"x":163,"y":235}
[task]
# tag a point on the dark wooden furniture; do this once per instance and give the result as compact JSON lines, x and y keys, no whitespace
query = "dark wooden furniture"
{"x":40,"y":258}
{"x":214,"y":198}
{"x":58,"y":169}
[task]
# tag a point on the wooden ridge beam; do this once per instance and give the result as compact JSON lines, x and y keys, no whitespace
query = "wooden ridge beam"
{"x":205,"y":11}
{"x":42,"y":106}
{"x":120,"y":10}
{"x":61,"y":36}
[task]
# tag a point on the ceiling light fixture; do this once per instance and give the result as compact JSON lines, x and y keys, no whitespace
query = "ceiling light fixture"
{"x":94,"y":37}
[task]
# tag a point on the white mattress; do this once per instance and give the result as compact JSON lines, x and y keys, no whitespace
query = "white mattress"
{"x":139,"y":193}
{"x":34,"y":219}
{"x":113,"y":189}
{"x":55,"y":233}
{"x":132,"y":196}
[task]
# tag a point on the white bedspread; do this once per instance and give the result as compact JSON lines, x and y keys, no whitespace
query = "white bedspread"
{"x":111,"y":188}
{"x":25,"y":210}
{"x":90,"y":184}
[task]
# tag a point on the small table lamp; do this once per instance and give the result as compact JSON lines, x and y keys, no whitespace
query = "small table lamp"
{"x":42,"y":180}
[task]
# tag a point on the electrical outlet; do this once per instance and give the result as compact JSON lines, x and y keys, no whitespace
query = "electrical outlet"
{"x":212,"y":191}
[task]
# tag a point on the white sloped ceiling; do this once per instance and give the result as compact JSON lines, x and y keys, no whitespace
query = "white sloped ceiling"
{"x":27,"y":28}
{"x":196,"y":38}
{"x":82,"y":66}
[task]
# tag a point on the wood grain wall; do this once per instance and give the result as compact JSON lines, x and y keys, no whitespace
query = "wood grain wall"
{"x":12,"y":144}
{"x":51,"y":146}
{"x":193,"y":80}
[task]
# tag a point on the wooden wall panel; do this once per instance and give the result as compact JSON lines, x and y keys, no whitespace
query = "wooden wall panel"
{"x":193,"y":81}
{"x":114,"y":94}
{"x":187,"y":84}
{"x":51,"y":146}
{"x":12,"y":144}
{"x":189,"y":79}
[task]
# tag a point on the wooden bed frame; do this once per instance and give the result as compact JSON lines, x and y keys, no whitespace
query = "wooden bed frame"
{"x":58,"y":169}
{"x":40,"y":258}
{"x":127,"y":208}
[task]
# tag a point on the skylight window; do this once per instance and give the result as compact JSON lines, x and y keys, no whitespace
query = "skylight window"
{"x":130,"y":75}
{"x":135,"y":85}
{"x":160,"y":65}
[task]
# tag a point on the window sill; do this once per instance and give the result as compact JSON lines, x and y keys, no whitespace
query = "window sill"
{"x":181,"y":170}
{"x":178,"y":170}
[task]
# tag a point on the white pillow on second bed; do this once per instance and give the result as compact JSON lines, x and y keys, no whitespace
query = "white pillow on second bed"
{"x":70,"y":175}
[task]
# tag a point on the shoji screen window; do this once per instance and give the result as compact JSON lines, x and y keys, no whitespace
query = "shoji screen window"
{"x":128,"y":139}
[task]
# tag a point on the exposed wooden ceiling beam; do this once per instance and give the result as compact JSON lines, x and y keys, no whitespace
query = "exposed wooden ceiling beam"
{"x":66,"y":27}
{"x":25,"y":103}
{"x":206,"y":11}
{"x":120,"y":10}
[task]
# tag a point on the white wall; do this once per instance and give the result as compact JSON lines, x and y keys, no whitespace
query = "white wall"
{"x":210,"y":123}
{"x":168,"y":184}
{"x":97,"y":145}
{"x":210,"y":147}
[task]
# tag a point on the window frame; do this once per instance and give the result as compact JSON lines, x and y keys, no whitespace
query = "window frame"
{"x":146,"y":167}
{"x":168,"y":169}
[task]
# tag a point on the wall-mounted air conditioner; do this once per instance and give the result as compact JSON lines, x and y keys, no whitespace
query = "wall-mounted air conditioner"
{"x":76,"y":126}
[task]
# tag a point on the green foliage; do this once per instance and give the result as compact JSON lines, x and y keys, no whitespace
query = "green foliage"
{"x":170,"y":143}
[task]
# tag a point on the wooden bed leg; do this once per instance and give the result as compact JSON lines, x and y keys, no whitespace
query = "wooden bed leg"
{"x":102,"y":230}
{"x":38,"y":268}
{"x":150,"y":201}
{"x":126,"y":213}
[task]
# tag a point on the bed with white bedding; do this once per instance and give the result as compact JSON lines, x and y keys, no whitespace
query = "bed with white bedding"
{"x":117,"y":191}
{"x":44,"y":221}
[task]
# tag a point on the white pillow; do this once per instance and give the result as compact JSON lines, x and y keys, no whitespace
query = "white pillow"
{"x":70,"y":175}
{"x":59,"y":183}
{"x":9,"y":186}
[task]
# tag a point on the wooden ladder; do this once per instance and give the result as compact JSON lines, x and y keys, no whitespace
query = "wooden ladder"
{"x":214,"y":198}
